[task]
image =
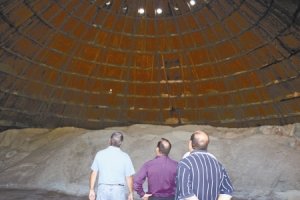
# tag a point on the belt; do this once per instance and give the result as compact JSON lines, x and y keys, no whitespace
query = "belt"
{"x":113,"y":184}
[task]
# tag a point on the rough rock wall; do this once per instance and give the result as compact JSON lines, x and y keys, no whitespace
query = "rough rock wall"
{"x":262,"y":162}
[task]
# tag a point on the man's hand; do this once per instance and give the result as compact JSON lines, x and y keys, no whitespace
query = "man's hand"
{"x":130,"y":196}
{"x":146,"y":196}
{"x":224,"y":197}
{"x":192,"y":198}
{"x":92,"y":195}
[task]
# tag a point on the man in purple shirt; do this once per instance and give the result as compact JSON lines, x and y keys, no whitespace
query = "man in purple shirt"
{"x":160,"y":173}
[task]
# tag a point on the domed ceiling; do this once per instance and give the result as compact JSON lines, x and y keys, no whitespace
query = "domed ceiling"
{"x":98,"y":63}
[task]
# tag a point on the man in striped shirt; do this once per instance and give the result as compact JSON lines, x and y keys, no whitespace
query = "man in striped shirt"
{"x":200,"y":176}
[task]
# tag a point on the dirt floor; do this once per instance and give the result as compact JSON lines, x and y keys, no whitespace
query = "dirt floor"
{"x":16,"y":194}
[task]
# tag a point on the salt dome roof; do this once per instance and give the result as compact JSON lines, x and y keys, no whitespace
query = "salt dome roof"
{"x":98,"y":63}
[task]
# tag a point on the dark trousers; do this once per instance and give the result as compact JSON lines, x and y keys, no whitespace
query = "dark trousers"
{"x":161,"y":198}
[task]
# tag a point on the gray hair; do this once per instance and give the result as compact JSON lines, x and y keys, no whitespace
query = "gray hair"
{"x":116,"y":139}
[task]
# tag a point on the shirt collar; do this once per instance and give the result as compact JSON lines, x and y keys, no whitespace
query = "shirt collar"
{"x":204,"y":152}
{"x":113,"y":147}
{"x":161,"y":156}
{"x":199,"y":151}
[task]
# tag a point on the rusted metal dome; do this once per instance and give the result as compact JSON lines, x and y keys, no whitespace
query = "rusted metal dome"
{"x":98,"y":63}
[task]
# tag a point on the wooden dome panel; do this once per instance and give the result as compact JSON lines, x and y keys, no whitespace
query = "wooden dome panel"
{"x":91,"y":64}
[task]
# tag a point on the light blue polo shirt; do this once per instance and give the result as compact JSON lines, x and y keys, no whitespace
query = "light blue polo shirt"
{"x":112,"y":165}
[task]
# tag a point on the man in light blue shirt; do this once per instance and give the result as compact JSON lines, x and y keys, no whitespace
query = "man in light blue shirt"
{"x":114,"y":167}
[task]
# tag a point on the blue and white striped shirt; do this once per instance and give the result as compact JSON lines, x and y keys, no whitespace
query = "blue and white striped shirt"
{"x":201,"y":174}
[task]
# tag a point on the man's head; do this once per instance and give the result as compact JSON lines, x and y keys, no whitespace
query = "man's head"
{"x":116,"y":139}
{"x":199,"y":140}
{"x":164,"y":146}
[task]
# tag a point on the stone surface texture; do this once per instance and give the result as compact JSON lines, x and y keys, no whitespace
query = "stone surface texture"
{"x":263,"y":162}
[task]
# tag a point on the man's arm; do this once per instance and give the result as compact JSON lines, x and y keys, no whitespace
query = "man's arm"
{"x":139,"y":180}
{"x":92,"y":194}
{"x":129,"y":180}
{"x":226,"y":188}
{"x":184,"y":190}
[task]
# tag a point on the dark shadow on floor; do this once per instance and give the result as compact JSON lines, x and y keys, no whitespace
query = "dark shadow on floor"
{"x":19,"y":194}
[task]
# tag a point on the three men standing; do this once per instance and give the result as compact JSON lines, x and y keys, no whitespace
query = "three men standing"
{"x":198,"y":176}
